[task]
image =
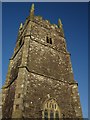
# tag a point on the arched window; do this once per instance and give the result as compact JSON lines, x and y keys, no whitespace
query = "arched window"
{"x":51,"y":110}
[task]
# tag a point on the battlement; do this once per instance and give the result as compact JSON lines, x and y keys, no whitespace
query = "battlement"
{"x":34,"y":26}
{"x":43,"y":23}
{"x":46,"y":24}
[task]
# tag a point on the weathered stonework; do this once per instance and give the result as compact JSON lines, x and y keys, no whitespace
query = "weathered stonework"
{"x":40,"y":73}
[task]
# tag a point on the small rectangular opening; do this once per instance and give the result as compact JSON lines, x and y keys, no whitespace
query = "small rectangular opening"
{"x":50,"y":41}
{"x":19,"y":95}
{"x":47,"y":40}
{"x":17,"y":106}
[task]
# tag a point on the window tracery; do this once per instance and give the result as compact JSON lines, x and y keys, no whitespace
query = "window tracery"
{"x":51,"y":110}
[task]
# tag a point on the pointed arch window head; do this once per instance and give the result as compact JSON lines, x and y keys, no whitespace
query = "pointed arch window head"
{"x":51,"y":110}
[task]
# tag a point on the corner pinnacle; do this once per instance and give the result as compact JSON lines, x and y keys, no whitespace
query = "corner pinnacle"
{"x":32,"y":7}
{"x":60,"y":23}
{"x":21,"y":25}
{"x":32,"y":12}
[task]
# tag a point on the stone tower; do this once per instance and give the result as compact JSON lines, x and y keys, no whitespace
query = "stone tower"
{"x":40,"y":82}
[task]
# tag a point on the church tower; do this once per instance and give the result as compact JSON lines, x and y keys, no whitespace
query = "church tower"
{"x":40,"y":81}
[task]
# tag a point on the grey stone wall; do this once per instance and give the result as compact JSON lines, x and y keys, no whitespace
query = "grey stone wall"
{"x":37,"y":89}
{"x":47,"y":61}
{"x":9,"y":91}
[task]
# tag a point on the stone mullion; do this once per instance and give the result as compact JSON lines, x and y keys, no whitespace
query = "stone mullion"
{"x":42,"y":115}
{"x":48,"y":114}
{"x":54,"y":115}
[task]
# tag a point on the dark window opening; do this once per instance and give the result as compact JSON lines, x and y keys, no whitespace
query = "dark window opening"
{"x":19,"y":95}
{"x":46,"y":115}
{"x":57,"y":116}
{"x":17,"y":106}
{"x":50,"y":41}
{"x":51,"y":116}
{"x":55,"y":106}
{"x":47,"y":40}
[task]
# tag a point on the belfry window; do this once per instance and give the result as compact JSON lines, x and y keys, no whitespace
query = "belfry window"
{"x":49,"y":40}
{"x":19,"y":95}
{"x":51,"y":110}
{"x":17,"y":106}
